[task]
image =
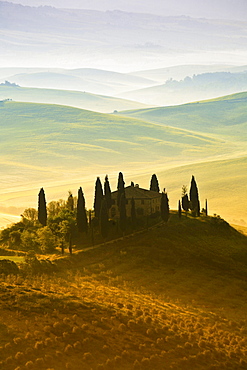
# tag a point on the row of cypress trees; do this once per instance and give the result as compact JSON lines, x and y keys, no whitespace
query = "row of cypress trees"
{"x":103,"y":203}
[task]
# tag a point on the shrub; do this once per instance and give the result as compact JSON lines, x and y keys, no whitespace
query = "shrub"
{"x":29,"y":365}
{"x":68,"y":349}
{"x":19,"y":356}
{"x":8,"y":267}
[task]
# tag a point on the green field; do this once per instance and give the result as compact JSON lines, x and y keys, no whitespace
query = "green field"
{"x":225,"y":117}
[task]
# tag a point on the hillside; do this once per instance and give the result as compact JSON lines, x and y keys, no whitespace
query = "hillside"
{"x":69,"y":147}
{"x":225,"y":116}
{"x":91,"y":80}
{"x":157,"y":300}
{"x":77,"y":99}
{"x":198,"y":87}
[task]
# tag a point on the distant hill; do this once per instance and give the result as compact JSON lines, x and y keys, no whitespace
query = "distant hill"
{"x":179,"y":72}
{"x":113,"y":38}
{"x":195,"y":88}
{"x":84,"y":79}
{"x":78,"y":99}
{"x":225,"y":116}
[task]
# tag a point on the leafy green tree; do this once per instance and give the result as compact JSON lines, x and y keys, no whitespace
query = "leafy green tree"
{"x":46,"y":240}
{"x":154,"y":184}
{"x":42,"y":211}
{"x":29,"y":240}
{"x":81,"y":215}
{"x":30,"y":214}
{"x":67,"y":230}
{"x":120,"y":188}
{"x":6,"y":234}
{"x":63,"y":226}
{"x":194,"y":197}
{"x":107,"y":192}
{"x":98,"y":196}
{"x":55,"y":207}
{"x":122,"y":214}
{"x":103,"y":220}
{"x":164,"y":207}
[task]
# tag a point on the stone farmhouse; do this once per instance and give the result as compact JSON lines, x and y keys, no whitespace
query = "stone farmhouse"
{"x":146,"y":201}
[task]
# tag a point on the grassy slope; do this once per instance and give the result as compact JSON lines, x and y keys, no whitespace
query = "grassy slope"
{"x":78,"y":99}
{"x":64,"y":143}
{"x":158,"y":300}
{"x":223,"y":183}
{"x":223,"y":116}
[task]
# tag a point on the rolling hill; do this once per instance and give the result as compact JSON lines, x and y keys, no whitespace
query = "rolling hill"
{"x":82,"y":79}
{"x":198,"y":87}
{"x":225,"y":116}
{"x":62,"y":148}
{"x":179,"y":72}
{"x":77,"y":99}
{"x":157,"y":300}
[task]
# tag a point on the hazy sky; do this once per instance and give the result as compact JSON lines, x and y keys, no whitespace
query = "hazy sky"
{"x":234,"y":9}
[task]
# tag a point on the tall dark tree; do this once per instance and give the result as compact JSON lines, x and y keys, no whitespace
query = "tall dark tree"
{"x":98,"y":196}
{"x":133,"y":213}
{"x":120,"y":188}
{"x":103,"y":220}
{"x":122,"y":214}
{"x":70,"y":202}
{"x":206,"y":207}
{"x":164,"y":207}
{"x":42,"y":211}
{"x":107,"y":192}
{"x":179,"y":209}
{"x":81,"y":214}
{"x":154,"y":184}
{"x":194,"y":197}
{"x":185,"y":203}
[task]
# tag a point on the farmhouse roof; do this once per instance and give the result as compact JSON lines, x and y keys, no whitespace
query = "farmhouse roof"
{"x":138,"y":193}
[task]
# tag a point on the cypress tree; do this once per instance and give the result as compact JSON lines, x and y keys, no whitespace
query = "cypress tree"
{"x":133,"y":213}
{"x":42,"y":211}
{"x":154,"y":184}
{"x":164,"y":207}
{"x":185,"y":203}
{"x":122,"y":213}
{"x":81,"y":215}
{"x":179,"y":209}
{"x":194,"y":197}
{"x":120,"y":188}
{"x":206,"y":207}
{"x":103,"y":220}
{"x":70,"y":202}
{"x":107,"y":192}
{"x":98,"y":196}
